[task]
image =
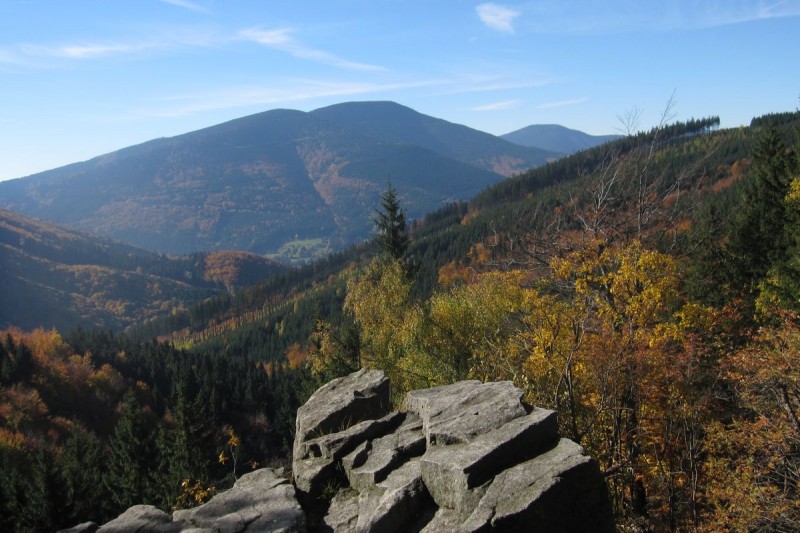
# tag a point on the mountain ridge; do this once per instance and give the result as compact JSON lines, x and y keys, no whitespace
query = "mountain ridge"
{"x":268,"y":181}
{"x":557,"y":138}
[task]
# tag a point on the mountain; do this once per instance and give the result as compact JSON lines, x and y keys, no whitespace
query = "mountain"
{"x":286,"y":183}
{"x":556,"y":138}
{"x":55,"y":277}
{"x":392,"y":122}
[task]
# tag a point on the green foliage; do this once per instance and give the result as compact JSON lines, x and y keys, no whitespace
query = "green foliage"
{"x":129,"y":478}
{"x":391,"y":225}
{"x":82,"y":437}
{"x":760,"y":235}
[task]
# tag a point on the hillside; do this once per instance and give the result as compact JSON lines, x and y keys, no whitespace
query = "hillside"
{"x":556,"y":138}
{"x":285,"y":183}
{"x":55,"y":277}
{"x":392,"y":122}
{"x":452,"y":235}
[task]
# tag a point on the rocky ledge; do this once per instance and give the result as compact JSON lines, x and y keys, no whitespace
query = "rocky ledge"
{"x":464,"y":457}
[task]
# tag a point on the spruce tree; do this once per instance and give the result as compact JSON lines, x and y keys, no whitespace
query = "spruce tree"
{"x":391,"y":224}
{"x":131,"y":453}
{"x":759,"y":238}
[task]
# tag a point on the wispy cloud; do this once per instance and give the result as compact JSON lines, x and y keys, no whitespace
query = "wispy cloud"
{"x":463,"y":83}
{"x":83,"y":50}
{"x":186,"y":4}
{"x":44,"y":55}
{"x":562,"y":103}
{"x":497,"y":17}
{"x":621,"y":16}
{"x":282,"y":39}
{"x":496,"y":106}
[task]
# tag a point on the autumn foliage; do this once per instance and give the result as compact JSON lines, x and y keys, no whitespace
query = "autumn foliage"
{"x":690,"y":404}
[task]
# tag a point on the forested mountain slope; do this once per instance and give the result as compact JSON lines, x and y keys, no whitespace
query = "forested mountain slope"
{"x":395,"y":123}
{"x":286,"y":183}
{"x":55,"y":277}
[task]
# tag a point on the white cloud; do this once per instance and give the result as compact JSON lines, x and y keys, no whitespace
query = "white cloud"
{"x":497,"y":17}
{"x":186,"y":4}
{"x":81,"y":51}
{"x":496,"y":106}
{"x":281,"y":39}
{"x":562,"y":103}
{"x":42,"y":55}
{"x":590,"y":17}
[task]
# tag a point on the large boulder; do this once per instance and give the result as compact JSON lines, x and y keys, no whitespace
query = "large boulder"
{"x":258,"y":501}
{"x":458,"y":412}
{"x":333,"y":422}
{"x":559,"y":490}
{"x":469,"y":456}
{"x":451,"y":473}
{"x":262,"y":500}
{"x":142,"y":518}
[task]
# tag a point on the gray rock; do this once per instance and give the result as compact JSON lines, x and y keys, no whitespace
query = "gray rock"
{"x":560,"y":490}
{"x":342,"y":514}
{"x":373,"y":461}
{"x":86,"y":527}
{"x":317,"y":465}
{"x":457,"y":413}
{"x":337,"y":418}
{"x":342,"y":403}
{"x":258,"y":501}
{"x":394,"y":503}
{"x":454,"y":473}
{"x":444,"y":521}
{"x":337,"y":445}
{"x":141,"y":518}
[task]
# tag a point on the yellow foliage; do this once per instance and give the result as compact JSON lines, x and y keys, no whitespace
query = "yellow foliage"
{"x":193,"y":494}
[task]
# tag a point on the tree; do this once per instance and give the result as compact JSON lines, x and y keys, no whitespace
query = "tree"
{"x":754,"y":456}
{"x":130,"y":456}
{"x":759,"y":237}
{"x":391,"y":224}
{"x":780,"y":288}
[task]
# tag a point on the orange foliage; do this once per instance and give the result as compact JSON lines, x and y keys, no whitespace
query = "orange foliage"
{"x":12,"y":440}
{"x":22,"y":407}
{"x":480,"y":253}
{"x":296,"y":355}
{"x":452,"y":272}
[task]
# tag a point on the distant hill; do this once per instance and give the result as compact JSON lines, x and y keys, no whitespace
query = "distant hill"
{"x":556,"y":138}
{"x":57,"y":277}
{"x":285,"y":183}
{"x":392,"y":122}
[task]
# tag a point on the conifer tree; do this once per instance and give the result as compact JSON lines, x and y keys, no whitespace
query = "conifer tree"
{"x":759,"y":237}
{"x":81,"y":467}
{"x":128,"y":477}
{"x":391,"y":224}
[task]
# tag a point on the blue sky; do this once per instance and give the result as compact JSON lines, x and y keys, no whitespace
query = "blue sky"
{"x":80,"y":78}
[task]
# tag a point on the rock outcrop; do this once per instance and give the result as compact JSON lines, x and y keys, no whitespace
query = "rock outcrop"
{"x":466,"y":457}
{"x":263,"y":500}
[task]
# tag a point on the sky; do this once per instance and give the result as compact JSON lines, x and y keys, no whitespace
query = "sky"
{"x":80,"y":78}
